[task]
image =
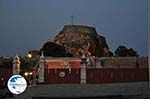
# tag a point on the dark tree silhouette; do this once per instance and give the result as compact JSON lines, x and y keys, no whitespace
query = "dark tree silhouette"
{"x":110,"y":54}
{"x":6,"y":63}
{"x":123,"y":51}
{"x":132,"y":52}
{"x":54,"y":50}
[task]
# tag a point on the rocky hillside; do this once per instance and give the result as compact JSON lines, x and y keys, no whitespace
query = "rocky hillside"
{"x":79,"y":40}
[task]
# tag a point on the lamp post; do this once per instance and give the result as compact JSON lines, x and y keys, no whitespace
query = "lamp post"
{"x":28,"y":76}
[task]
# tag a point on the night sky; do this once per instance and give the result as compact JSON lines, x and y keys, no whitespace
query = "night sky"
{"x":27,"y":24}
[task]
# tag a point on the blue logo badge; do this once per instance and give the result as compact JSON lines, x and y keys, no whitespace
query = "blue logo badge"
{"x":17,"y":84}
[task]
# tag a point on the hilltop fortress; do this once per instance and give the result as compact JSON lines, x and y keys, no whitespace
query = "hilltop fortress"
{"x":91,"y":64}
{"x":79,"y":40}
{"x":79,"y":28}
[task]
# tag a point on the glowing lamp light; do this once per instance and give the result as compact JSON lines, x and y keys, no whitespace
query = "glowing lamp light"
{"x":30,"y":73}
{"x":30,"y":55}
{"x":26,"y":73}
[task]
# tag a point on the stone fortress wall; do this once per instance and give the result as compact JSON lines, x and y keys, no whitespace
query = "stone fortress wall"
{"x":79,"y":40}
{"x":101,"y":62}
{"x":121,"y":62}
{"x":79,"y":28}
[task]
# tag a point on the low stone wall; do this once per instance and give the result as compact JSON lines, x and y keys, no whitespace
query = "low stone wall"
{"x":122,"y":62}
{"x":142,"y":62}
{"x":104,"y":62}
{"x":79,"y":28}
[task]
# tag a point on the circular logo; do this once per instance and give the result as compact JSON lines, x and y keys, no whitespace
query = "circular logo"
{"x":62,"y":74}
{"x":17,"y":84}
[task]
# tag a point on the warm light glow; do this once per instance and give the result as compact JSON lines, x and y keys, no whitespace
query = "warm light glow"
{"x":26,"y":73}
{"x":30,"y":55}
{"x":30,"y":73}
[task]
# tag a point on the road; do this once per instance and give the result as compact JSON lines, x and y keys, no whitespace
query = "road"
{"x":88,"y":90}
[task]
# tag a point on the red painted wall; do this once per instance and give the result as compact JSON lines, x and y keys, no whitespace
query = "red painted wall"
{"x":55,"y":64}
{"x":55,"y":76}
{"x":5,"y":74}
{"x":96,"y":76}
{"x":116,"y":75}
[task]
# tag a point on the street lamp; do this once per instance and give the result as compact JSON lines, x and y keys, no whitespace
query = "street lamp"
{"x":28,"y":76}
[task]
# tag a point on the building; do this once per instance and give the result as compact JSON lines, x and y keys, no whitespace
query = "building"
{"x":107,"y":70}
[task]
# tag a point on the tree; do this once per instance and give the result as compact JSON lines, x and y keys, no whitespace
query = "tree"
{"x":110,"y":54}
{"x":54,"y":50}
{"x":123,"y":51}
{"x":6,"y":63}
{"x":132,"y":52}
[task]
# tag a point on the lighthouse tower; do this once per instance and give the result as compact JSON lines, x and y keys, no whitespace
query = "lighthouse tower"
{"x":16,"y":65}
